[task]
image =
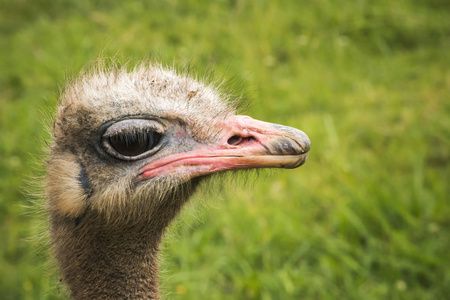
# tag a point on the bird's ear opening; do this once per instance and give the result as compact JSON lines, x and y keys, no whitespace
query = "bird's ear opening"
{"x":66,"y":194}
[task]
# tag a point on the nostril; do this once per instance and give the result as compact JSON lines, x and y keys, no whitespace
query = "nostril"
{"x":234,"y":140}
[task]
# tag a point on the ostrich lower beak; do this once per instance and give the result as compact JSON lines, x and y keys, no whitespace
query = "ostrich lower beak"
{"x":245,"y":143}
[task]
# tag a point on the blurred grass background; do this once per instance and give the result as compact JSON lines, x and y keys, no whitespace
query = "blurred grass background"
{"x":367,"y":217}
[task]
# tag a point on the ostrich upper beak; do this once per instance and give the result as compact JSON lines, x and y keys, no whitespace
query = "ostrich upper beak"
{"x":244,"y":143}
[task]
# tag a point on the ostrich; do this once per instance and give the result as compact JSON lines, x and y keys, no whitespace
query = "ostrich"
{"x":128,"y":150}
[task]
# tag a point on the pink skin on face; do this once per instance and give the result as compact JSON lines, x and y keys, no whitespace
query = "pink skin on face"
{"x":246,"y":143}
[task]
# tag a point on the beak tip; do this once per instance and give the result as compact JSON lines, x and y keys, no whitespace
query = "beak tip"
{"x":306,"y":142}
{"x":300,"y":161}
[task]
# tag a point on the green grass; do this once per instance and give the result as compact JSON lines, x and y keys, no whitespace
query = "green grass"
{"x":367,"y":217}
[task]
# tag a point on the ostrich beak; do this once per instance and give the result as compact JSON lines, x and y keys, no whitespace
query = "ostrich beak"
{"x":244,"y":143}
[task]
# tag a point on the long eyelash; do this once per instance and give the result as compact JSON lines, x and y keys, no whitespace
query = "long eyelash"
{"x":133,"y":136}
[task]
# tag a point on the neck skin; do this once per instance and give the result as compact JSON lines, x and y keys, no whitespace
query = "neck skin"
{"x":109,"y":261}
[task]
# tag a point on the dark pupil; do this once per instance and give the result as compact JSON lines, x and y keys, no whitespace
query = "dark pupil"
{"x":133,"y":144}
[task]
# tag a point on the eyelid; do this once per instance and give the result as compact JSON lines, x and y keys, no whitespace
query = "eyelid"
{"x":129,"y":131}
{"x":133,"y":126}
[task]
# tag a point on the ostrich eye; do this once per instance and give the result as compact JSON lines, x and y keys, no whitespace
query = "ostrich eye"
{"x":131,"y":139}
{"x":134,"y":143}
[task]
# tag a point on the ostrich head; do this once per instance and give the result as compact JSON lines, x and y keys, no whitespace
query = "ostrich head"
{"x":130,"y":148}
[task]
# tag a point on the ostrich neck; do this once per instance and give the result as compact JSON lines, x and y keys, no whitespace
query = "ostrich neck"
{"x":107,"y":262}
